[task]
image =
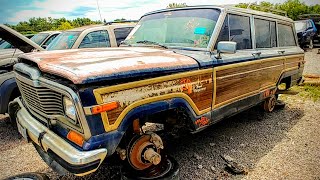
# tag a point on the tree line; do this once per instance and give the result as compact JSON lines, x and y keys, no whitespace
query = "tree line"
{"x":35,"y":25}
{"x":294,"y":8}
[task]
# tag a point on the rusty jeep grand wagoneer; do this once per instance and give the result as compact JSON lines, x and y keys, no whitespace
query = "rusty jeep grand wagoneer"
{"x":183,"y":68}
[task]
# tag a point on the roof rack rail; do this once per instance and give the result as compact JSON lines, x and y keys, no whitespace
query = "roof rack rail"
{"x":269,"y":9}
{"x":125,"y":21}
{"x":309,"y":16}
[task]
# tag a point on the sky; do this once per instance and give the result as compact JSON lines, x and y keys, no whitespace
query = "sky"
{"x":14,"y":11}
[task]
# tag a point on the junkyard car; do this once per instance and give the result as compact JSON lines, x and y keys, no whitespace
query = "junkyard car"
{"x":94,"y":36}
{"x":307,"y":31}
{"x":183,"y":68}
{"x":43,"y":39}
{"x":85,"y":37}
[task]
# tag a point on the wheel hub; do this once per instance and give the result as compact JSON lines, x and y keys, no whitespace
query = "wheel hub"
{"x":144,"y":151}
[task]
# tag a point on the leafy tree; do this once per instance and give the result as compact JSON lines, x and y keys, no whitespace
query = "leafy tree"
{"x":176,"y":5}
{"x":119,"y":20}
{"x":65,"y":26}
{"x":294,"y":8}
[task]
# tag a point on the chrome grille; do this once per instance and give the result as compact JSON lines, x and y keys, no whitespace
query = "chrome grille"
{"x":42,"y":100}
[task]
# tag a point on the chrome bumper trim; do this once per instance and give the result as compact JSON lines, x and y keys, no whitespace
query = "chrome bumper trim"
{"x":56,"y":144}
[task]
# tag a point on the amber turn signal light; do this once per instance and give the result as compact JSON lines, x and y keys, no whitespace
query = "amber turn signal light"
{"x":76,"y":138}
{"x":104,"y":107}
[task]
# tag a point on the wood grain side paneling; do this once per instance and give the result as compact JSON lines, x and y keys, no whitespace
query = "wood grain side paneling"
{"x":198,"y":87}
{"x":236,"y":81}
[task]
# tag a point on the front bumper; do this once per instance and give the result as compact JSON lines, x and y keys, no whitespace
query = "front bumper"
{"x":75,"y":161}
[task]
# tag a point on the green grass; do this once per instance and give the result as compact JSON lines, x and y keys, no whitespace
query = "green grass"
{"x":308,"y":91}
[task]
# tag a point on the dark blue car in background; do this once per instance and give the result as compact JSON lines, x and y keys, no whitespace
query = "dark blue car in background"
{"x":306,"y":31}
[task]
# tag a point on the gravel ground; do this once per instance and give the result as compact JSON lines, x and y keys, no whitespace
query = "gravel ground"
{"x":269,"y":145}
{"x":312,"y":66}
{"x":279,"y":145}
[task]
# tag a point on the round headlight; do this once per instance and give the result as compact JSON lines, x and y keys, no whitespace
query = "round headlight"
{"x":69,"y":109}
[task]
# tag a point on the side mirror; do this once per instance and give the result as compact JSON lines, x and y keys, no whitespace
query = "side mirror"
{"x":44,"y":46}
{"x":226,"y":47}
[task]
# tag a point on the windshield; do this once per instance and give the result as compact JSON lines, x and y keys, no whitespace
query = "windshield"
{"x":180,"y":28}
{"x":300,"y":26}
{"x":5,"y":45}
{"x":64,"y":40}
{"x":39,"y":38}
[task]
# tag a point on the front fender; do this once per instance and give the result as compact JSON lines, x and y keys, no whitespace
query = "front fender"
{"x":111,"y":140}
{"x":6,"y":89}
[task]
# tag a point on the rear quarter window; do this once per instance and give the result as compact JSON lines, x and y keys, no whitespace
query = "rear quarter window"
{"x":96,"y":39}
{"x":286,"y":35}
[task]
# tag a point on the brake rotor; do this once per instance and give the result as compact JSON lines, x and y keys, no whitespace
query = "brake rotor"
{"x":137,"y":148}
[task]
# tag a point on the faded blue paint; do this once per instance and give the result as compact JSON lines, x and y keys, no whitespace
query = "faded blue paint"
{"x":6,"y":89}
{"x":87,"y":97}
{"x":159,"y":71}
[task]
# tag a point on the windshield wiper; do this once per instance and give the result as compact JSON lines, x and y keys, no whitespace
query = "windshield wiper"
{"x":151,"y":42}
{"x":125,"y":43}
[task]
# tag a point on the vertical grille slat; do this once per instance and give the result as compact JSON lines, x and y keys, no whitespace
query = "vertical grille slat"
{"x":42,"y":99}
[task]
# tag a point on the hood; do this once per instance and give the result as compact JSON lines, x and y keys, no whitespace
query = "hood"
{"x":18,"y":40}
{"x":99,"y":64}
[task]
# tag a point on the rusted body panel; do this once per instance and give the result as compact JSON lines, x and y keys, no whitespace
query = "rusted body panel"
{"x":195,"y":88}
{"x":92,"y":65}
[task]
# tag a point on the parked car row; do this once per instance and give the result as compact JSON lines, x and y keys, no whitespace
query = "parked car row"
{"x":185,"y":68}
{"x":86,"y":37}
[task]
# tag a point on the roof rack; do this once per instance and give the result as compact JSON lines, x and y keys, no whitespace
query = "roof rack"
{"x":269,"y":9}
{"x":309,"y":16}
{"x":125,"y":21}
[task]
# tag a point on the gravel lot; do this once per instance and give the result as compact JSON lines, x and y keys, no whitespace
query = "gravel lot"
{"x":312,"y":66}
{"x":279,"y":145}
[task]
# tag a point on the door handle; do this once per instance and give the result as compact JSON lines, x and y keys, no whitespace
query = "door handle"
{"x":281,"y":52}
{"x":256,"y":54}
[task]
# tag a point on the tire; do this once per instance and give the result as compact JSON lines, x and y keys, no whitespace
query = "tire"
{"x":269,"y":104}
{"x":311,"y":44}
{"x":279,"y":104}
{"x":33,"y":176}
{"x":13,"y":110}
{"x":172,"y":173}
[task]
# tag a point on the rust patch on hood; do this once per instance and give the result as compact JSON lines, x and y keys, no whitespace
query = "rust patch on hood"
{"x":91,"y":65}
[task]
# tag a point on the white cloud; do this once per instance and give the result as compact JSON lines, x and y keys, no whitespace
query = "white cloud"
{"x":111,"y":10}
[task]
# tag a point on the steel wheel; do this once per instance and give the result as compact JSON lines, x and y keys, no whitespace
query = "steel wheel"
{"x":269,"y":104}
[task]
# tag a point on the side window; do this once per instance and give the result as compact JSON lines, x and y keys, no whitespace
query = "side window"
{"x":122,"y":33}
{"x":240,"y":31}
{"x":265,"y":33}
{"x":96,"y":39}
{"x":50,"y":39}
{"x":236,"y":28}
{"x":286,"y":36}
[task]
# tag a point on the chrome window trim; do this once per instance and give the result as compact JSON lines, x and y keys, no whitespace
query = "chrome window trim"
{"x":66,"y":91}
{"x":217,"y":29}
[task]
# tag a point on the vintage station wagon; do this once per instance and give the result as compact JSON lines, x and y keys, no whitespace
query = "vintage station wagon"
{"x":183,"y":68}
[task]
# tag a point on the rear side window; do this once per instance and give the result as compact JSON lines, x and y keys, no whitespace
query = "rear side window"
{"x":122,"y":33}
{"x":237,"y":29}
{"x":96,"y":39}
{"x":286,"y":36}
{"x":265,"y":33}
